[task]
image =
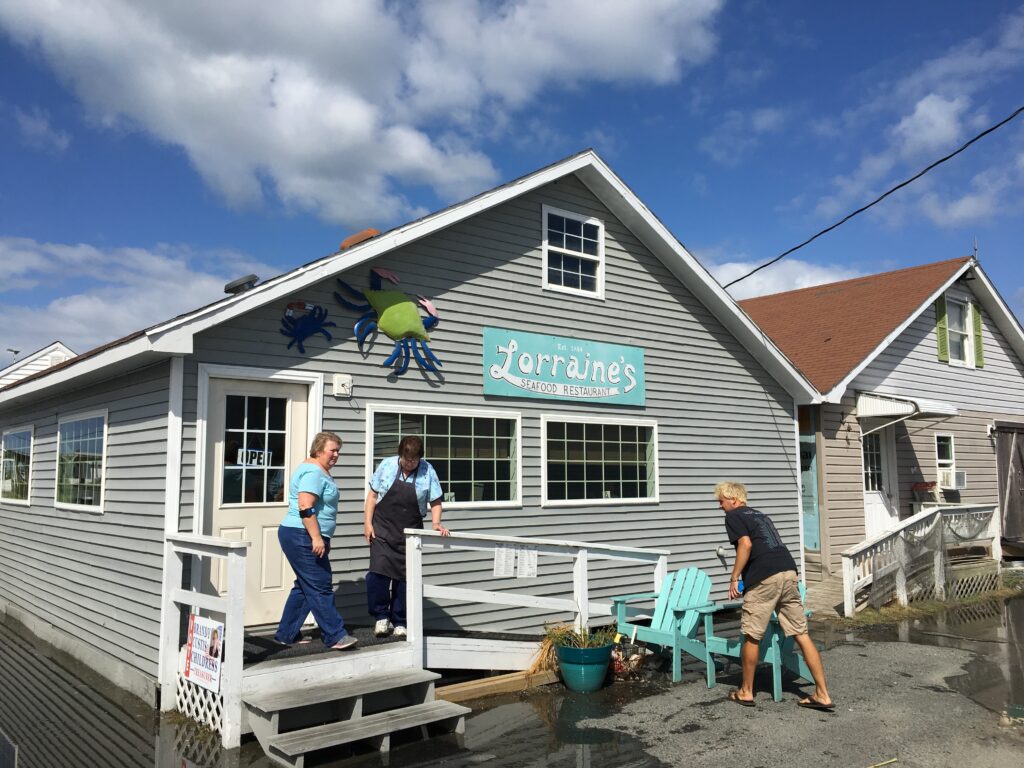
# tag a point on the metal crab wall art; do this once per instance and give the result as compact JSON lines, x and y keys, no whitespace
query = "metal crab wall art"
{"x":398,"y":316}
{"x":300,"y":327}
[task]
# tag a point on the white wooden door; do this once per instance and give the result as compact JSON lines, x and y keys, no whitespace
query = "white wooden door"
{"x":256,"y":436}
{"x":881,"y":505}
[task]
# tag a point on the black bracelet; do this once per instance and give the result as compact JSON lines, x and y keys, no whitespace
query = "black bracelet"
{"x":307,"y":512}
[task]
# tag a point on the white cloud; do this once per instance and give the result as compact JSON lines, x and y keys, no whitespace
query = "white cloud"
{"x":110,"y":293}
{"x":739,"y":132}
{"x":991,"y":193}
{"x":942,"y":93}
{"x":335,"y":104}
{"x":37,"y":132}
{"x":786,"y":275}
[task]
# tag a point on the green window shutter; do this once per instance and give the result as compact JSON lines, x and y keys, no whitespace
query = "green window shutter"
{"x":979,"y":350}
{"x":941,"y":329}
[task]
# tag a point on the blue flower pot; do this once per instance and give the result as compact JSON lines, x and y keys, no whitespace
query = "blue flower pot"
{"x":584,"y":669}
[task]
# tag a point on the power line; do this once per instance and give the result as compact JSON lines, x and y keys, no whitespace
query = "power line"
{"x":879,"y":199}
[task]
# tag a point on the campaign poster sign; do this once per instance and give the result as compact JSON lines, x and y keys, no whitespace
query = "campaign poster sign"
{"x":204,"y":652}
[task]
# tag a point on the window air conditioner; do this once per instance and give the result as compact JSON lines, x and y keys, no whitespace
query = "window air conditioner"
{"x":947,"y":479}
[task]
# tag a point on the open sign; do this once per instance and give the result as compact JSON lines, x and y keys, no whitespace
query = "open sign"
{"x":248,"y":457}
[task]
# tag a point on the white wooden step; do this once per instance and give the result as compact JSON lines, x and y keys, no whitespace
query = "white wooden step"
{"x":344,"y":689}
{"x":289,"y":748}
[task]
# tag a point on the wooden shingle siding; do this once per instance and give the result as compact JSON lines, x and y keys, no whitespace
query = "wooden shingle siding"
{"x":909,"y":368}
{"x":95,"y":577}
{"x":720,"y":416}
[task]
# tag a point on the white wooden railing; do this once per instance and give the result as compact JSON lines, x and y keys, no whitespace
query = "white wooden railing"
{"x":887,"y":552}
{"x":221,"y":711}
{"x":581,"y":553}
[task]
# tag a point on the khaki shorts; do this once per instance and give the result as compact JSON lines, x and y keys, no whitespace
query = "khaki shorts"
{"x":777,"y":593}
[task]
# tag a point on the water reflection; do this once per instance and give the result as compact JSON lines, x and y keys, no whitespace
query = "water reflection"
{"x":993,"y":631}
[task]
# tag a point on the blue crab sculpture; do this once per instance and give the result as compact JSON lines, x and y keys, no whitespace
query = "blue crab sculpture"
{"x":301,"y":327}
{"x":394,"y":313}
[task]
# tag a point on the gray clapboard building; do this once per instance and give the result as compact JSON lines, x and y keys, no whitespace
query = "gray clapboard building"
{"x":592,"y":382}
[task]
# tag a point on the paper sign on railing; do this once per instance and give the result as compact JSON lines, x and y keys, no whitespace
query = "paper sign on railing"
{"x":504,"y":561}
{"x":527,"y":562}
{"x":203,"y":652}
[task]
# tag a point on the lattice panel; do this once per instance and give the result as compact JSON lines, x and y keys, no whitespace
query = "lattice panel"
{"x":198,"y":746}
{"x":198,"y":703}
{"x":968,"y":614}
{"x":975,"y":584}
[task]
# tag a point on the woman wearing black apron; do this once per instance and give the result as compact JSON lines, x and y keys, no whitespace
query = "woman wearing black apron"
{"x":402,"y":490}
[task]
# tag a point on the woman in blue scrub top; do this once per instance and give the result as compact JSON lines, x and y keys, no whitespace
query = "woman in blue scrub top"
{"x":305,"y":536}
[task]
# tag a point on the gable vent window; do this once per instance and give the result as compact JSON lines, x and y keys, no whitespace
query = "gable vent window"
{"x":958,"y":325}
{"x":573,"y":253}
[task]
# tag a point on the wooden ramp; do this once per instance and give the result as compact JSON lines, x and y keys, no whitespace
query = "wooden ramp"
{"x":302,"y":705}
{"x":825,"y":598}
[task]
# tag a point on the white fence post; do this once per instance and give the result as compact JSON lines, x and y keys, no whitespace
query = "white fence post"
{"x":170,"y":623}
{"x":849,"y":586}
{"x":580,"y":591}
{"x":660,"y":572}
{"x":900,"y":545}
{"x":234,"y":630}
{"x":414,"y":596}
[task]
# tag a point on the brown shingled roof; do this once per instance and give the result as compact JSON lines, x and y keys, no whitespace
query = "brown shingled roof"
{"x":827,"y":330}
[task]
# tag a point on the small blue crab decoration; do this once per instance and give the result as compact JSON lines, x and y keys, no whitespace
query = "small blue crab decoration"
{"x":301,"y":327}
{"x":394,"y":313}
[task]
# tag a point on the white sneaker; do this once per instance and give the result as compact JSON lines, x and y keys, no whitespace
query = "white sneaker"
{"x":383,"y":628}
{"x":401,"y":632}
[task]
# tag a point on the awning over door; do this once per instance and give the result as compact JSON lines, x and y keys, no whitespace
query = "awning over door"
{"x":871,"y":405}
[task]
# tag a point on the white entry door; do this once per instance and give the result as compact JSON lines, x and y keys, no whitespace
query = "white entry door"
{"x":881,"y":505}
{"x":256,"y":436}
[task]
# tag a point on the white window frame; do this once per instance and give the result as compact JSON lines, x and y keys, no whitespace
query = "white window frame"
{"x":547,"y":418}
{"x":968,"y":333}
{"x":482,"y":413}
{"x":82,"y":416}
{"x":943,"y":466}
{"x":598,"y":259}
{"x":30,"y":428}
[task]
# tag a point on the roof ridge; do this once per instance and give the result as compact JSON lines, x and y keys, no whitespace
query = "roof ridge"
{"x":873,"y":276}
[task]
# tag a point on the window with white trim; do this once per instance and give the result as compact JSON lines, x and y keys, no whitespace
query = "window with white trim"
{"x":958,"y":323}
{"x":599,"y":461}
{"x":15,"y":465}
{"x":945,"y":461}
{"x":475,"y":453}
{"x":573,"y":253}
{"x":81,"y":444}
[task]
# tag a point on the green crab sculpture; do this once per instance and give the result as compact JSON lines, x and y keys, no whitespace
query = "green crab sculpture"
{"x":394,"y":313}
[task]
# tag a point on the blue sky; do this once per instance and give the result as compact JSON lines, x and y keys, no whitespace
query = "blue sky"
{"x":151,"y":151}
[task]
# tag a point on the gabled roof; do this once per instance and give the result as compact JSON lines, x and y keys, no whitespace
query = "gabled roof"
{"x":833,"y":332}
{"x":175,"y":337}
{"x":34,"y":361}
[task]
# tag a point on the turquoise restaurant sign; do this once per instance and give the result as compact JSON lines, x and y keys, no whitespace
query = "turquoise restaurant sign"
{"x":521,"y":364}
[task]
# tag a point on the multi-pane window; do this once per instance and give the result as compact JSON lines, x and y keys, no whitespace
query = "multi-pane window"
{"x":573,"y":253}
{"x":476,"y":456}
{"x":592,"y":461}
{"x":255,"y":436}
{"x":872,"y":462}
{"x":15,"y":464}
{"x":958,"y":323}
{"x":80,"y":444}
{"x":945,"y":461}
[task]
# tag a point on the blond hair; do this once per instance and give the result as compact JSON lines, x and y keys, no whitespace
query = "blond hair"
{"x":320,"y":442}
{"x":730,"y":490}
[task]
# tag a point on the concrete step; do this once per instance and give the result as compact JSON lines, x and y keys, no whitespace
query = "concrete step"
{"x":344,"y":689}
{"x":291,"y":748}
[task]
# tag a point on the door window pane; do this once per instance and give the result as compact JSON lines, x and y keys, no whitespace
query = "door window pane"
{"x":255,"y":449}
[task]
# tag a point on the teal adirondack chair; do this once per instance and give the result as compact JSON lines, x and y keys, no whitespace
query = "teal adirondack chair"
{"x":776,"y":649}
{"x":676,"y":616}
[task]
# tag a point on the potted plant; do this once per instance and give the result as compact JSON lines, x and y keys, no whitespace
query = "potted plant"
{"x":581,"y":654}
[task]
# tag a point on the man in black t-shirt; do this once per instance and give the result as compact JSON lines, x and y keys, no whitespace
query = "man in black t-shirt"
{"x":769,"y":584}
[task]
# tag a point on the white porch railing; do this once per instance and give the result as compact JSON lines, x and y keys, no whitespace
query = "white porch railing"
{"x":221,"y":711}
{"x":418,"y":541}
{"x":887,"y":552}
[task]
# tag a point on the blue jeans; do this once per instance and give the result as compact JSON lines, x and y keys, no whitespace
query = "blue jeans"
{"x":313,"y":590}
{"x":385,"y":598}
